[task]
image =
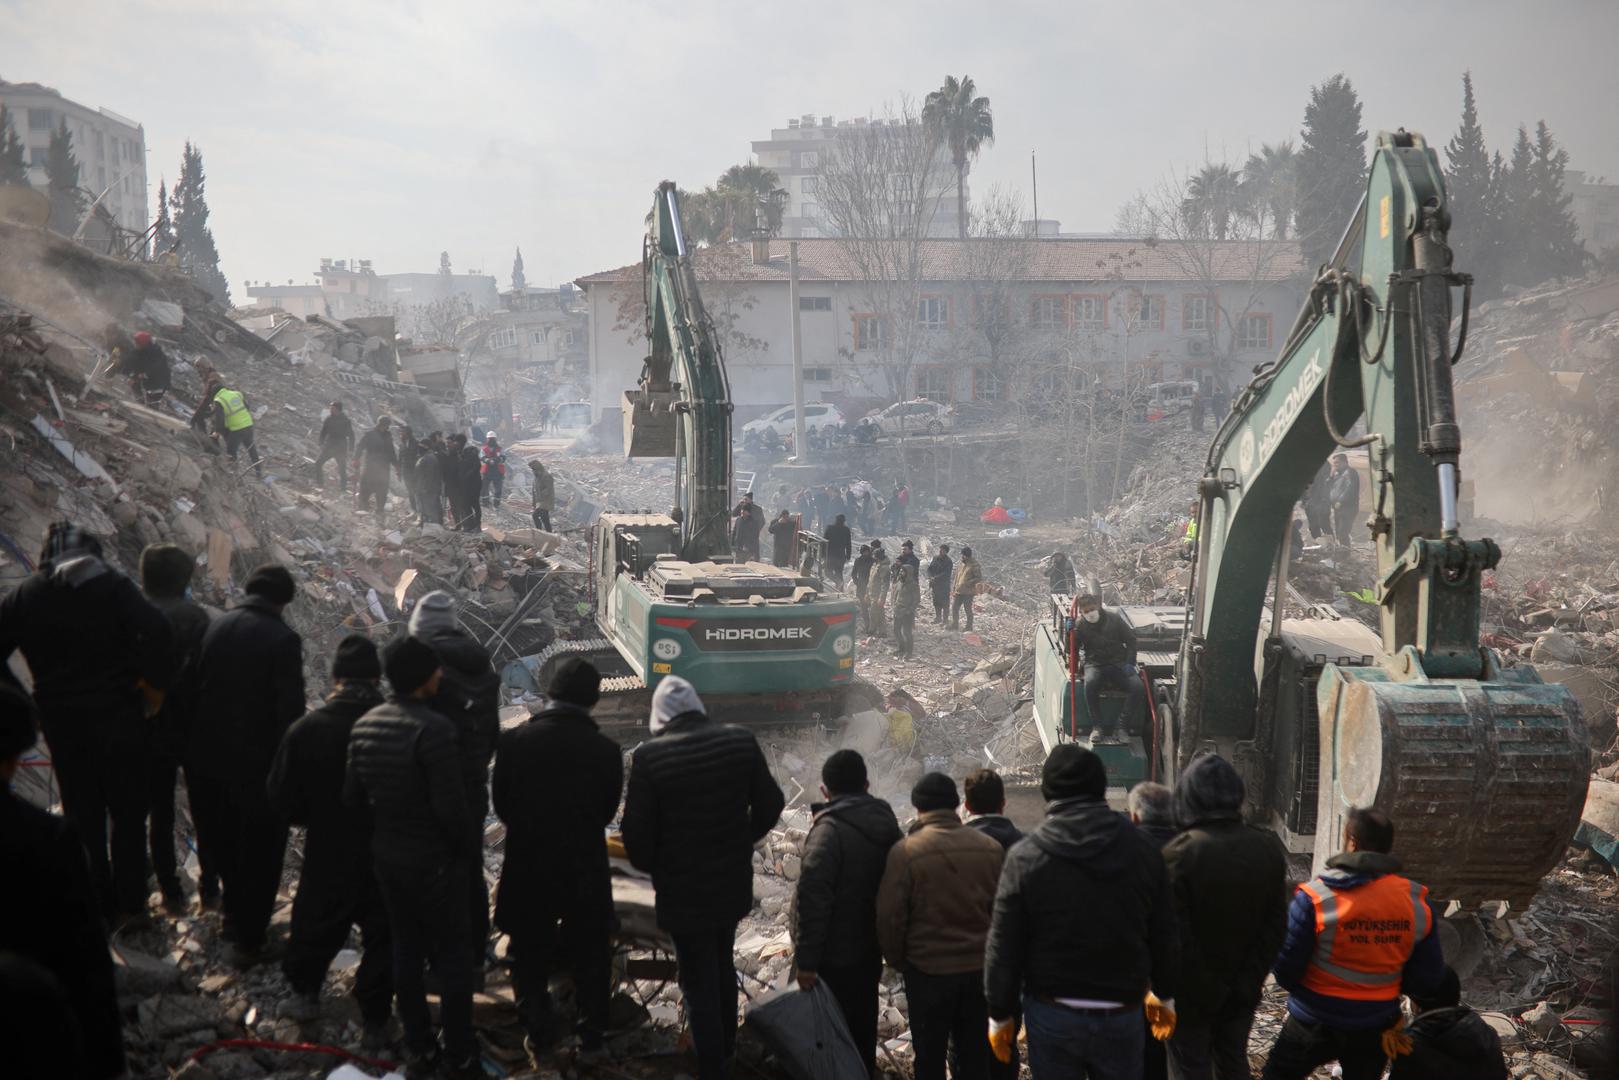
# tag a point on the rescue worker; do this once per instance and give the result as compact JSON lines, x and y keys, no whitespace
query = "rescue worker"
{"x":749,"y":519}
{"x":907,"y":598}
{"x":545,"y":494}
{"x":1109,"y":645}
{"x":1449,"y":1041}
{"x":1151,"y":807}
{"x":492,"y":471}
{"x":1060,"y":575}
{"x":148,"y":369}
{"x":1355,"y":936}
{"x":430,"y":481}
{"x":336,"y":887}
{"x":940,"y":570}
{"x":839,"y":542}
{"x":1345,"y":498}
{"x":965,"y":587}
{"x":1189,"y":537}
{"x":375,"y":459}
{"x":336,"y":444}
{"x":99,"y":654}
{"x":233,"y":422}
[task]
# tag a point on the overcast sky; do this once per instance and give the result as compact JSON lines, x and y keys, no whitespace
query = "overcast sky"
{"x":393,"y":130}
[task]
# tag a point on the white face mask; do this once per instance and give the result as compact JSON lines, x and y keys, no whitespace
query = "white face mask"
{"x":1092,"y":616}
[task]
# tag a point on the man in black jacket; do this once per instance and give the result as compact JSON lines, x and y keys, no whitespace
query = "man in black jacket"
{"x":471,"y":473}
{"x":1231,"y":894}
{"x":430,"y":483}
{"x":940,"y":572}
{"x":376,"y":460}
{"x":1345,"y":496}
{"x":860,"y":577}
{"x":1449,"y":1041}
{"x":749,"y":519}
{"x":700,"y":796}
{"x":402,"y":764}
{"x":783,"y":539}
{"x":92,"y":643}
{"x":1152,"y":810}
{"x":50,"y":915}
{"x":557,"y":785}
{"x":1110,"y":660}
{"x":469,"y":698}
{"x":337,"y":889}
{"x":984,"y":794}
{"x":1084,"y":926}
{"x":336,"y":444}
{"x":165,"y":574}
{"x":835,"y":902}
{"x":839,"y":543}
{"x":251,"y":688}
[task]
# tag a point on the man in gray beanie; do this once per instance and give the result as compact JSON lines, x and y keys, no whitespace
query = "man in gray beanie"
{"x":933,"y":909}
{"x":700,"y":796}
{"x":469,"y":697}
{"x":1084,"y":926}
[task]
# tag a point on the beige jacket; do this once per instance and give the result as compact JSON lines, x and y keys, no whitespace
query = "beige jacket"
{"x":936,"y":897}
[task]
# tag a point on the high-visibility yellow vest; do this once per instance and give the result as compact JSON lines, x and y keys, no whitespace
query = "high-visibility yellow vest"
{"x":1191,"y":529}
{"x":236,"y":415}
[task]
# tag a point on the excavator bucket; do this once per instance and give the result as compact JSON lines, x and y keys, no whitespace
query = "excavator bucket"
{"x":1483,"y":779}
{"x":649,"y":423}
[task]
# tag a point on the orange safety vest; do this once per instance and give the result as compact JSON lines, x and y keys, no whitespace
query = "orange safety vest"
{"x":1364,"y":935}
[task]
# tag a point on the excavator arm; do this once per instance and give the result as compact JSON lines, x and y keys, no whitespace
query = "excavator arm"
{"x":1483,"y":768}
{"x":682,"y":407}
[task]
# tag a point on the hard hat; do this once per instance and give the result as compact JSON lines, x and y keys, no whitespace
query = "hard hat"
{"x":143,"y":339}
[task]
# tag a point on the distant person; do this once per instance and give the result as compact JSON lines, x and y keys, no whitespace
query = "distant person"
{"x":933,"y":918}
{"x":835,"y":900}
{"x":700,"y":796}
{"x":747,"y":521}
{"x":336,"y":444}
{"x":997,"y":514}
{"x":1151,"y":807}
{"x":545,"y":494}
{"x":860,"y":577}
{"x":907,"y":594}
{"x":1318,"y":502}
{"x":375,"y":459}
{"x":940,"y":570}
{"x":471,"y":472}
{"x":968,"y":577}
{"x":1109,"y":646}
{"x":430,"y":481}
{"x":1060,"y":574}
{"x":1449,"y":1041}
{"x":148,"y":369}
{"x":410,"y":455}
{"x":1345,"y":498}
{"x":985,"y":795}
{"x":784,"y":539}
{"x":1199,"y":411}
{"x":232,"y":420}
{"x":492,"y":470}
{"x":839,"y":541}
{"x":1344,"y":989}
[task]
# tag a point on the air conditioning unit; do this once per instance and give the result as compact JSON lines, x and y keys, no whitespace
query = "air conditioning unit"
{"x":1197,"y":347}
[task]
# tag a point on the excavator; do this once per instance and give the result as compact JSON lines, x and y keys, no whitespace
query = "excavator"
{"x":760,"y":643}
{"x":1483,"y":767}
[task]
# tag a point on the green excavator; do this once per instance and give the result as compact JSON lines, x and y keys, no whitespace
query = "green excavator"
{"x":1483,"y":767}
{"x":760,"y":643}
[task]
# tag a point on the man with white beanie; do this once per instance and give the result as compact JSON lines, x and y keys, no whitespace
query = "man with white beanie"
{"x":700,"y":797}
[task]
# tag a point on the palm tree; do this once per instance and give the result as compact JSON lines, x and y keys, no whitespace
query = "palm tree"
{"x":1270,"y":186}
{"x":754,"y":198}
{"x":965,"y":124}
{"x":1212,"y":197}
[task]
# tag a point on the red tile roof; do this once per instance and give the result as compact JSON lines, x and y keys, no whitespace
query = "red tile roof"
{"x":1048,"y":260}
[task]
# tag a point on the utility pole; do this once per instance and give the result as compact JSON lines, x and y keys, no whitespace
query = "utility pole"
{"x":800,"y":443}
{"x":1034,"y":180}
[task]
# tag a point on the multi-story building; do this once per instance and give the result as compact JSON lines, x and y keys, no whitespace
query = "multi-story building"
{"x":347,"y":288}
{"x":111,"y":149}
{"x":800,"y":151}
{"x":1595,"y":204}
{"x":1115,"y":310}
{"x":534,"y":327}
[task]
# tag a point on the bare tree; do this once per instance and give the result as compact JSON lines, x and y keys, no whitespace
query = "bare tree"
{"x":722,"y":276}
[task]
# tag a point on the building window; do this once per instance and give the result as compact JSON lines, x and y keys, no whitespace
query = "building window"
{"x":1090,"y":313}
{"x":868,"y":332}
{"x":986,"y":384}
{"x":567,"y":339}
{"x":37,"y":154}
{"x":1253,"y":332}
{"x":817,"y":374}
{"x":1195,"y":314}
{"x":809,"y":210}
{"x":933,"y":312}
{"x":814,"y":303}
{"x":933,"y":383}
{"x":810,"y":185}
{"x":503,"y":339}
{"x":1046,"y":313}
{"x":536,"y":337}
{"x":1150,"y":315}
{"x":809,"y":159}
{"x":40,"y":120}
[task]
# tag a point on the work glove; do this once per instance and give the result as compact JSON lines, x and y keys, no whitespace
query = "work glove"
{"x":1396,"y":1042}
{"x":1160,"y":1016}
{"x":1002,"y":1034}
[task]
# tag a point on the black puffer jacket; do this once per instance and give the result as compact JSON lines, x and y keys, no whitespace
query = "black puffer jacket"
{"x":1451,"y":1044}
{"x":835,"y":903}
{"x":251,"y":688}
{"x":188,"y":623}
{"x":469,"y":698}
{"x":402,"y":764}
{"x":1083,"y":911}
{"x":700,"y":796}
{"x":1108,"y":641}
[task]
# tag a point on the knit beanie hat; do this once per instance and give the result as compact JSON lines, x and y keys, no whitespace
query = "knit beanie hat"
{"x":576,"y":682}
{"x":409,"y":662}
{"x":65,"y":541}
{"x":673,"y":697}
{"x":356,"y":658}
{"x":273,"y":583}
{"x":1209,"y":790}
{"x":1073,"y":772}
{"x":434,"y":612}
{"x":935,"y":791}
{"x":18,"y":730}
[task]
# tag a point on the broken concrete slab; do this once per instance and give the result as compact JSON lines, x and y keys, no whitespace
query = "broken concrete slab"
{"x":165,"y":1015}
{"x":1598,"y":830}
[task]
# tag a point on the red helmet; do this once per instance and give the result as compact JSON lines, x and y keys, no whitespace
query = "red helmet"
{"x":143,"y":339}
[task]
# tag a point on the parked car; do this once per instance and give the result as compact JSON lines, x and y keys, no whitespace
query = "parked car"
{"x":1167,"y":398}
{"x":818,"y":416}
{"x":571,"y":417}
{"x":918,"y":417}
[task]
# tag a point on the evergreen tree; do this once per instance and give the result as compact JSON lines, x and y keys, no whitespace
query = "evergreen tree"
{"x":163,"y":230}
{"x":198,"y":255}
{"x":13,"y":166}
{"x":519,"y":282}
{"x":1553,"y":232}
{"x":1517,"y":195}
{"x":1470,"y":186}
{"x":62,"y":181}
{"x":1331,"y":167}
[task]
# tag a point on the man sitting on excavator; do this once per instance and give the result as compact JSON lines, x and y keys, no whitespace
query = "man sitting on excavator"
{"x":1110,"y":660}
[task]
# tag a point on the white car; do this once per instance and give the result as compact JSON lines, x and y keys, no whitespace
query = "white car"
{"x":919,"y":417}
{"x":818,"y":416}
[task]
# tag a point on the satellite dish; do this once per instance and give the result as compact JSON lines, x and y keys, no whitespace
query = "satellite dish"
{"x":24,"y":205}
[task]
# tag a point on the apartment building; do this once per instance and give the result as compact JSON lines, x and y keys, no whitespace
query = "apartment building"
{"x":111,"y":149}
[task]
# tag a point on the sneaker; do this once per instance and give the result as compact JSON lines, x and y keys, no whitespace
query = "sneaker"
{"x":301,"y":1008}
{"x":1118,"y":738}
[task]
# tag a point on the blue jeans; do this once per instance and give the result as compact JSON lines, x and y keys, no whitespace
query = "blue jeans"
{"x":1068,"y":1045}
{"x":1120,"y":677}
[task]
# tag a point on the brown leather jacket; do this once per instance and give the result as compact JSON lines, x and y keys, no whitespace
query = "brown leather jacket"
{"x":937,"y":893}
